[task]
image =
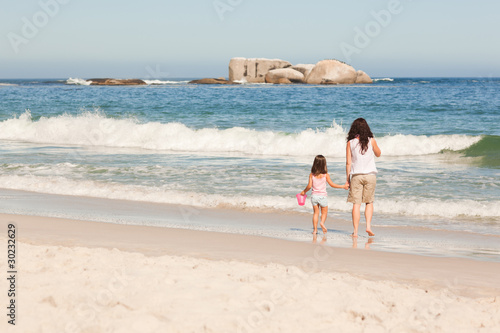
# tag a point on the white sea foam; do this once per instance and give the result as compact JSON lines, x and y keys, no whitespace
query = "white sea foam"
{"x":407,"y":207}
{"x":78,"y":81}
{"x":162,"y":82}
{"x":383,"y":79}
{"x":8,"y":84}
{"x":94,"y":129}
{"x":244,"y":81}
{"x":83,"y":82}
{"x":442,"y":208}
{"x":402,"y":145}
{"x":64,"y":186}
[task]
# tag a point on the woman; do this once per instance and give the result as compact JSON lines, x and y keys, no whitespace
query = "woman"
{"x":361,"y":171}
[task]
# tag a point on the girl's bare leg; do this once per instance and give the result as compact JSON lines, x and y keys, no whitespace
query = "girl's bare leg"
{"x":368,"y":217}
{"x":315,"y":218}
{"x":324,"y":214}
{"x":355,"y":218}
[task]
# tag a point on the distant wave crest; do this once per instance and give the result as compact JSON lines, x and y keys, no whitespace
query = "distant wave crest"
{"x":83,"y":82}
{"x":77,"y":81}
{"x":245,"y":82}
{"x":162,"y":82}
{"x":383,"y":79}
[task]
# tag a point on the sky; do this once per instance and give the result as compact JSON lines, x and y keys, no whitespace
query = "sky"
{"x":197,"y":38}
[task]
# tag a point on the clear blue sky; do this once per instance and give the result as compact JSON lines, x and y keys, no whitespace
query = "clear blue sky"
{"x":197,"y":38}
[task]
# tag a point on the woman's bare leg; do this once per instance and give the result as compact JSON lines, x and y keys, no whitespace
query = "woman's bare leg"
{"x":355,"y":218}
{"x":368,"y":217}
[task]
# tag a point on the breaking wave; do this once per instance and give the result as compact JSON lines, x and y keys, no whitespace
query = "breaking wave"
{"x":95,"y":129}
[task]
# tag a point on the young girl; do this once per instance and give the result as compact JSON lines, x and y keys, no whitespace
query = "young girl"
{"x":317,"y":180}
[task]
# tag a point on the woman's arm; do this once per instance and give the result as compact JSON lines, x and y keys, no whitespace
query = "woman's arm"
{"x":376,"y":149}
{"x":348,"y":162}
{"x":332,"y":184}
{"x":309,"y":185}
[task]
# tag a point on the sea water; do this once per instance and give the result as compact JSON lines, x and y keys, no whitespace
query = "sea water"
{"x":251,"y":146}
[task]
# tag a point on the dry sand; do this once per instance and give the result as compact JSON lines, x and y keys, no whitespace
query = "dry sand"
{"x":76,"y":276}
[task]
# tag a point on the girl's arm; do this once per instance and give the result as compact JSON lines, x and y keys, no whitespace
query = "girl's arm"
{"x":376,"y":149}
{"x":332,"y":184}
{"x":348,"y":162}
{"x":309,"y":185}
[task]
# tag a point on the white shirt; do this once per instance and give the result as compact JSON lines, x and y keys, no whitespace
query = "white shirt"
{"x":362,"y":163}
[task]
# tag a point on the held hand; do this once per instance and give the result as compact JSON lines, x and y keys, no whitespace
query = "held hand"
{"x":346,"y":185}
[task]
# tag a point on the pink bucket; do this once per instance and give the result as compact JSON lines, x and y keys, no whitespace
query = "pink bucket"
{"x":301,"y":199}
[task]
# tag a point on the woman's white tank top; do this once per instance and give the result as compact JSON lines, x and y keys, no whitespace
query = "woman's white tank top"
{"x":362,"y":163}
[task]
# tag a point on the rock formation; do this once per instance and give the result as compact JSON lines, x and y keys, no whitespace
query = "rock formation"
{"x":253,"y":70}
{"x":363,"y":78}
{"x":260,"y":70}
{"x":304,"y":68}
{"x":283,"y":80}
{"x":332,"y":72}
{"x":220,"y":80}
{"x":291,"y":75}
{"x":116,"y":82}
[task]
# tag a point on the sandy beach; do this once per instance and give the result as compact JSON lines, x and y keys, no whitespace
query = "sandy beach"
{"x":81,"y":276}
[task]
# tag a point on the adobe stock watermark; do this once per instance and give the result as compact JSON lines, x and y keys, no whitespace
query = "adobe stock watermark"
{"x":363,"y":36}
{"x":223,"y":6}
{"x":87,"y":313}
{"x":155,"y":73}
{"x":31,"y":27}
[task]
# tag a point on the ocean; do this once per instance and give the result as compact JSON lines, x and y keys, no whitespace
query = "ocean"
{"x":250,"y":148}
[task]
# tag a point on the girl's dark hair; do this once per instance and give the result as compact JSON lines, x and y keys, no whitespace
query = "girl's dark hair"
{"x":360,"y":129}
{"x":319,"y":165}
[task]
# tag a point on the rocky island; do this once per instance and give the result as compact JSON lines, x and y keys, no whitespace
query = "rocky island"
{"x":261,"y":70}
{"x":116,"y":82}
{"x":277,"y":71}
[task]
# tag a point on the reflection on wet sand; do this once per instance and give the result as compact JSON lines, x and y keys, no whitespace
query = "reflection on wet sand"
{"x":367,"y":244}
{"x":315,"y":239}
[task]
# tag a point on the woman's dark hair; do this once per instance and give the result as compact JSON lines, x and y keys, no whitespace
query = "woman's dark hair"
{"x":360,"y":129}
{"x":319,"y":165}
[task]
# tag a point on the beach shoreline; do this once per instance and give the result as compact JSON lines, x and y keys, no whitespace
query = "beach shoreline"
{"x":402,"y":235}
{"x":157,"y":241}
